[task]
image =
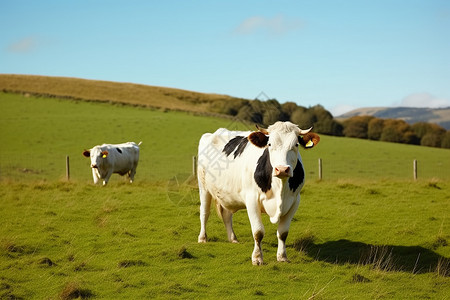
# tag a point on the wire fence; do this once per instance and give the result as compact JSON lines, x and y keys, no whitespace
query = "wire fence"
{"x":62,"y":167}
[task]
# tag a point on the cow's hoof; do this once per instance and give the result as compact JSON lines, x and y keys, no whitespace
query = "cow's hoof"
{"x":202,"y":239}
{"x":283,"y":259}
{"x":257,"y":262}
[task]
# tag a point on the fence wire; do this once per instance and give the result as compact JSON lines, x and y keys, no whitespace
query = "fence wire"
{"x":34,"y":167}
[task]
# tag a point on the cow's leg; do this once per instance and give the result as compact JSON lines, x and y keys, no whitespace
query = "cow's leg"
{"x":131,"y":174}
{"x":227,"y":217}
{"x":108,"y":175}
{"x":254,"y":214}
{"x":95,"y":175}
{"x":283,"y":230}
{"x":205,"y":208}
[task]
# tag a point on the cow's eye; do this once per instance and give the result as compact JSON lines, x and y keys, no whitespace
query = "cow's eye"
{"x":269,"y":144}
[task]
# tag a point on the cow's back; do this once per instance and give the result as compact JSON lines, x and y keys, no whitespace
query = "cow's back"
{"x":225,"y":171}
{"x":123,"y":157}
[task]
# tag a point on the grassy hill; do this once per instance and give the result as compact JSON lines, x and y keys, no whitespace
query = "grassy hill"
{"x":106,"y":91}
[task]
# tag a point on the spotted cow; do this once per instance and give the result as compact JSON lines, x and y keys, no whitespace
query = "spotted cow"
{"x":107,"y":159}
{"x":261,"y":171}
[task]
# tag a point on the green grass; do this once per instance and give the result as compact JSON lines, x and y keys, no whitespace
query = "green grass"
{"x":139,"y":241}
{"x":367,"y":231}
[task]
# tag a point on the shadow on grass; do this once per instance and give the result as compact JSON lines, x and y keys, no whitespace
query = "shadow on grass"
{"x":414,"y":259}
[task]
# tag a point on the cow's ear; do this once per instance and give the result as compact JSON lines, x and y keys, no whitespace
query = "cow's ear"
{"x":309,"y":140}
{"x":258,"y":139}
{"x":87,"y":153}
{"x":105,"y":154}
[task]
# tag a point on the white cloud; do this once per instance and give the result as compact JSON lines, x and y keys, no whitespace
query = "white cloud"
{"x":25,"y":45}
{"x":424,"y":100}
{"x":276,"y":26}
{"x":341,"y":109}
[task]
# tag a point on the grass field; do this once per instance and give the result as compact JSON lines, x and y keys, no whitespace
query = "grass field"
{"x":367,"y":231}
{"x":38,"y":133}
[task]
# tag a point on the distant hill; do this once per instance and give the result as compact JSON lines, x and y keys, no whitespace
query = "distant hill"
{"x":440,"y":116}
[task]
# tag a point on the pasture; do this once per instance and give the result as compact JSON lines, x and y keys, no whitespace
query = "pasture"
{"x":367,"y":231}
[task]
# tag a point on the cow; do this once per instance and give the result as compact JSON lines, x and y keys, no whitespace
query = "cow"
{"x":261,"y":171}
{"x":107,"y":159}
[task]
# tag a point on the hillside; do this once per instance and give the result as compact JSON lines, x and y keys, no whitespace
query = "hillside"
{"x":252,"y":111}
{"x":411,"y":115}
{"x":106,"y":91}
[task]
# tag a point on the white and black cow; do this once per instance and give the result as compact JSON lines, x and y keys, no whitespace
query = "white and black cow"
{"x":107,"y":159}
{"x":261,"y":171}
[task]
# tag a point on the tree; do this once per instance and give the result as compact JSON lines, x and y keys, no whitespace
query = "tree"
{"x":398,"y":131}
{"x":431,"y":139}
{"x":287,"y":109}
{"x":357,"y":126}
{"x":429,"y":134}
{"x":445,"y":143}
{"x":231,"y":107}
{"x":303,"y":117}
{"x":270,"y":116}
{"x":375,"y":128}
{"x":325,"y":123}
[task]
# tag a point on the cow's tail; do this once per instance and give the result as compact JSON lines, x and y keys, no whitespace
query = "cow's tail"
{"x":219,"y":209}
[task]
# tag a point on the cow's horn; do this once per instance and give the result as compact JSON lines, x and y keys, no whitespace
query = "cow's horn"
{"x":304,"y":131}
{"x":263,"y":130}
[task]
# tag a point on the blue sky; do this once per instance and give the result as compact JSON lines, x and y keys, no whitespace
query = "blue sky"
{"x":340,"y":54}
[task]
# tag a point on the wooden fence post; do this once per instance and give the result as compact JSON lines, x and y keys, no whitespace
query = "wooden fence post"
{"x":67,"y":168}
{"x":320,"y":169}
{"x":415,"y":169}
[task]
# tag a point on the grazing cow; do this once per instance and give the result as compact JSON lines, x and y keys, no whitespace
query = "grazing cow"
{"x":261,"y":171}
{"x":107,"y":159}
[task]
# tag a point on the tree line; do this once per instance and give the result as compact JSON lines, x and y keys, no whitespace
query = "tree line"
{"x":396,"y":131}
{"x":270,"y":111}
{"x":363,"y":127}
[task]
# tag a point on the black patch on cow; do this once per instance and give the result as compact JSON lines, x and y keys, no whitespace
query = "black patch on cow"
{"x":237,"y":145}
{"x":263,"y":172}
{"x":119,"y":150}
{"x":283,"y":236}
{"x":297,"y":179}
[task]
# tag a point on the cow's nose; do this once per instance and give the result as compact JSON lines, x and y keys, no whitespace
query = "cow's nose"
{"x":94,"y":166}
{"x":282,"y":171}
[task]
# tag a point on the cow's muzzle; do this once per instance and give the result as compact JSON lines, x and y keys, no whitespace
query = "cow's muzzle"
{"x":282,"y":171}
{"x":94,"y":166}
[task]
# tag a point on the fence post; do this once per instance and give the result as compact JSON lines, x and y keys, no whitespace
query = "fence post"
{"x":67,"y":168}
{"x":320,"y":169}
{"x":415,"y":169}
{"x":194,"y":166}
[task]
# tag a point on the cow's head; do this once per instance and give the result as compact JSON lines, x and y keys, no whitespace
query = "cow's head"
{"x":97,"y":156}
{"x":282,"y":141}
